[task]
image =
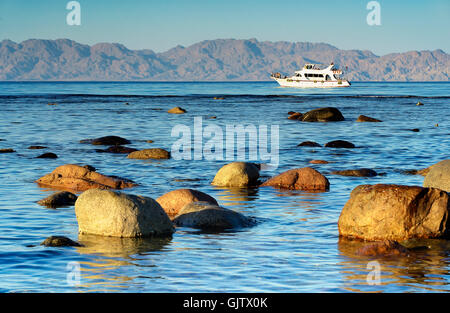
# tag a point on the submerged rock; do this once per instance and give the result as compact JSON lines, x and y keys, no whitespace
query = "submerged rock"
{"x":395,"y":212}
{"x":208,"y":216}
{"x":155,"y":153}
{"x":383,"y":249}
{"x":107,"y":141}
{"x":363,"y":172}
{"x":60,"y":241}
{"x":7,"y":150}
{"x":118,"y":149}
{"x":79,"y":178}
{"x":340,"y":144}
{"x":296,"y":116}
{"x":173,"y":201}
{"x":237,"y":174}
{"x":318,"y":162}
{"x":177,"y":110}
{"x":308,"y":144}
{"x":36,"y":147}
{"x":323,"y":115}
{"x":59,"y":199}
{"x":363,"y":118}
{"x":108,"y":213}
{"x":48,"y":155}
{"x":438,"y":176}
{"x":305,"y":178}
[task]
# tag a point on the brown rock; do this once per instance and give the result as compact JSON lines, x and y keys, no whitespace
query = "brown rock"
{"x":300,"y":178}
{"x":48,"y":155}
{"x":323,"y":115}
{"x":308,"y":144}
{"x":173,"y":201}
{"x":36,"y":147}
{"x":60,"y":241}
{"x":296,"y":116}
{"x":318,"y":162}
{"x":59,"y":199}
{"x":107,"y":141}
{"x":177,"y":110}
{"x":339,"y":144}
{"x":363,"y":118}
{"x":155,"y":153}
{"x":118,"y":149}
{"x":395,"y":212}
{"x":363,"y":172}
{"x":77,"y":178}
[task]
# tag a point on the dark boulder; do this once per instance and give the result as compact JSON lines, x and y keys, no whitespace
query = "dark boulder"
{"x":59,"y":199}
{"x":107,"y":141}
{"x":340,"y":144}
{"x":60,"y":241}
{"x":323,"y":115}
{"x":309,"y":144}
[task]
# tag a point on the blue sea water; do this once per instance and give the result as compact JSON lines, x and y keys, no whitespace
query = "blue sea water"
{"x":295,"y":247}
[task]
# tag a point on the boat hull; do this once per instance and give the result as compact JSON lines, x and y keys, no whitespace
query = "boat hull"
{"x":286,"y":82}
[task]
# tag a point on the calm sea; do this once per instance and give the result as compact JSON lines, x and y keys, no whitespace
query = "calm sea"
{"x":294,"y":248}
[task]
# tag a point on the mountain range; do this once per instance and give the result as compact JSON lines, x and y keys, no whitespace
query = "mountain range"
{"x":209,"y":60}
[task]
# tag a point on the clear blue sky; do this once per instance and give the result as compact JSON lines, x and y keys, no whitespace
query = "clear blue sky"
{"x":163,"y":24}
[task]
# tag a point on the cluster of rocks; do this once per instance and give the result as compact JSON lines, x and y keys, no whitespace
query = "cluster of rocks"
{"x":328,"y":114}
{"x":383,"y":213}
{"x":116,"y":145}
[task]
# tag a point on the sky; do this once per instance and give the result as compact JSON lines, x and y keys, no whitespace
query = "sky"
{"x":164,"y":24}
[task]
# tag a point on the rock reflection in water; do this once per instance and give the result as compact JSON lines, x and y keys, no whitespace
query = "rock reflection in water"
{"x":236,"y":196}
{"x":424,"y":267}
{"x":110,"y":254}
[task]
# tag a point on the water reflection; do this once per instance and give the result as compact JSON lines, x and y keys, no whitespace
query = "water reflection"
{"x":104,"y":271}
{"x":425,"y":267}
{"x":236,"y":196}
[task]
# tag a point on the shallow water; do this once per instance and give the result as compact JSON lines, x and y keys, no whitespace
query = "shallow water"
{"x":295,"y":246}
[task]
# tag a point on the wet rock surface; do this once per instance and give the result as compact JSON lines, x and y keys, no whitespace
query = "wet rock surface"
{"x":173,"y":201}
{"x":206,"y":216}
{"x":328,"y":114}
{"x":78,"y":178}
{"x":116,"y":214}
{"x":59,"y":199}
{"x":395,"y":212}
{"x":305,"y":178}
{"x":155,"y":153}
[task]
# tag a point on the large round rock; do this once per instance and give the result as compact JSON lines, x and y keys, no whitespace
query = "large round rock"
{"x":237,"y":174}
{"x":323,"y":115}
{"x":439,"y":176}
{"x":173,"y":201}
{"x":207,"y":216}
{"x":305,"y":178}
{"x":395,"y":212}
{"x":108,"y":213}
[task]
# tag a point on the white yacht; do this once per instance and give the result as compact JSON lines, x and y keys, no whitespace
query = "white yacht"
{"x":311,"y":76}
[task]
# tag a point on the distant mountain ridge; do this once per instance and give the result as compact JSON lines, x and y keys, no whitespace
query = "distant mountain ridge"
{"x":209,"y":60}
